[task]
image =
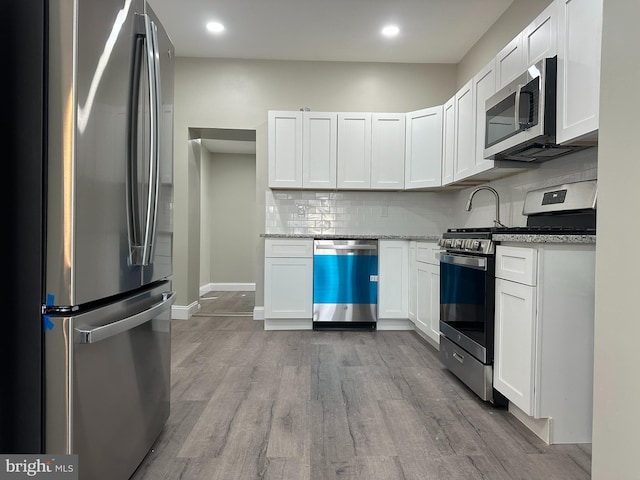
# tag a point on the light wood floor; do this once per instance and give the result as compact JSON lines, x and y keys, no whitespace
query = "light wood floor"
{"x":249,"y":404}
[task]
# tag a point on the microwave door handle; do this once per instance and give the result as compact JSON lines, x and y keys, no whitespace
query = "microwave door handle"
{"x":516,"y":110}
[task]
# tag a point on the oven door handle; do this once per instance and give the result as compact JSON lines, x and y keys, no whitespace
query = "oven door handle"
{"x":478,"y":263}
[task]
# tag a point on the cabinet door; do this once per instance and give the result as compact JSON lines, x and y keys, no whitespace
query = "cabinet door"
{"x":514,"y":365}
{"x":423,"y":167}
{"x":288,"y":288}
{"x":434,"y":302}
{"x":354,"y":151}
{"x":285,"y":149}
{"x":448,"y":140}
{"x":484,"y":85}
{"x":428,"y":305}
{"x":423,"y":295}
{"x":387,"y":151}
{"x":540,"y":37}
{"x":319,"y":152}
{"x":465,"y":149}
{"x":510,"y":62}
{"x":413,"y":298}
{"x":393,"y":279}
{"x":579,"y":39}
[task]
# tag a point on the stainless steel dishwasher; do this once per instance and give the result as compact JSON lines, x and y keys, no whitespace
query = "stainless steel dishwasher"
{"x":345,"y":284}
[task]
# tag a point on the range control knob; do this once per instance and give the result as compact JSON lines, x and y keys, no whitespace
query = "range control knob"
{"x":475,"y":245}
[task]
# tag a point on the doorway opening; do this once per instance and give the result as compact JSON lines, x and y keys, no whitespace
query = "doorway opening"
{"x":228,"y":227}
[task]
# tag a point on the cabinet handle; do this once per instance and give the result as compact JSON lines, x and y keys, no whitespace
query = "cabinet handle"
{"x":458,"y":357}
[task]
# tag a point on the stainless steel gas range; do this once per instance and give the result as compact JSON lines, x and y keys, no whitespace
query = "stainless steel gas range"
{"x":467,"y":278}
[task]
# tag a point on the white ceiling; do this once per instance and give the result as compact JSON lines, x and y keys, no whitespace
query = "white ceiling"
{"x":432,"y":31}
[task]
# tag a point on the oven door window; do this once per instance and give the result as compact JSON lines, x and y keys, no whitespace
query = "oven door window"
{"x":463,"y":300}
{"x":516,"y":113}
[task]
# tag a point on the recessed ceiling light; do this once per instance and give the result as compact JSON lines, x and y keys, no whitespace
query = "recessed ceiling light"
{"x":215,"y":27}
{"x":390,"y":31}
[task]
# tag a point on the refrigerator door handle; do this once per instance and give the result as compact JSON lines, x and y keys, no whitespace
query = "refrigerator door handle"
{"x":133,"y":199}
{"x":96,"y":334}
{"x":142,"y":232}
{"x":155,"y":104}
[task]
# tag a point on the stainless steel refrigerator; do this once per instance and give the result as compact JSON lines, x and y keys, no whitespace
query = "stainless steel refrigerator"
{"x":85,"y":346}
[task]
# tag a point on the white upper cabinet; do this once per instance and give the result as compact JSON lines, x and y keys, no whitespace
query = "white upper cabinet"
{"x":465,"y":150}
{"x":387,"y":151}
{"x":354,"y":151}
{"x":423,"y":162}
{"x":448,"y":140}
{"x":541,"y":36}
{"x":510,"y":61}
{"x":285,"y":149}
{"x":579,"y":42}
{"x":484,"y":85}
{"x":319,"y":153}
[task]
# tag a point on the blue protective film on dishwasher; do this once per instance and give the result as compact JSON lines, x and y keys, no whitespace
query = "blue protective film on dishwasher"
{"x":345,"y":279}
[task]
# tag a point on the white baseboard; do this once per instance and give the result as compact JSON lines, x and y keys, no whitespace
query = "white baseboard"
{"x":427,"y":338}
{"x":182,"y":312}
{"x":258,"y":313}
{"x":394,"y":324}
{"x":542,"y":427}
{"x":288,"y":324}
{"x":227,"y":287}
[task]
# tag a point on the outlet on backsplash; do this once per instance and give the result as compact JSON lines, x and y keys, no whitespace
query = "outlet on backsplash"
{"x":302,"y":210}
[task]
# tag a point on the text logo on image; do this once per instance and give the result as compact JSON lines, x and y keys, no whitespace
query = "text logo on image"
{"x":51,"y":467}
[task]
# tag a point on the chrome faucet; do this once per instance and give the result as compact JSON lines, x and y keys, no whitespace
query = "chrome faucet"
{"x":496,"y":222}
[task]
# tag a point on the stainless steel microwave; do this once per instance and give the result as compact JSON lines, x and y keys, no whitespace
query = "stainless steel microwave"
{"x":520,"y":119}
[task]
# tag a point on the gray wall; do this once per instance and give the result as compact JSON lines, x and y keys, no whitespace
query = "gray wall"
{"x":205,"y":216}
{"x":237,"y":94}
{"x":232,"y":214}
{"x":515,"y":18}
{"x":616,"y":432}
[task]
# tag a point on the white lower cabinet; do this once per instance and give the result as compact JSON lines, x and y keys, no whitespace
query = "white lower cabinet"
{"x":544,"y":322}
{"x":513,"y":373}
{"x":393,"y":279}
{"x":425,"y":288}
{"x":288,"y":283}
{"x":413,"y":298}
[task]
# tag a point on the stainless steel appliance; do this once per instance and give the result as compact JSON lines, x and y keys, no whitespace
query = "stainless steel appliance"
{"x":86,"y":348}
{"x":345,"y":284}
{"x":467,"y":278}
{"x":521,"y":118}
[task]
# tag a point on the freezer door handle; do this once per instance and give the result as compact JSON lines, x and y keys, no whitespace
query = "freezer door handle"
{"x":96,"y":334}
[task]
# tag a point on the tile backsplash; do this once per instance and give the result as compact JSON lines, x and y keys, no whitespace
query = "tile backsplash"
{"x":579,"y":166}
{"x":356,"y":213}
{"x":417,"y":213}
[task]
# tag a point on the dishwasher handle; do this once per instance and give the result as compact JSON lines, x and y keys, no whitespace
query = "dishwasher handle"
{"x":346,"y":247}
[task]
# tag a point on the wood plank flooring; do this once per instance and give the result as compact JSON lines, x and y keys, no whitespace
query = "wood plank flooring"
{"x":333,"y":405}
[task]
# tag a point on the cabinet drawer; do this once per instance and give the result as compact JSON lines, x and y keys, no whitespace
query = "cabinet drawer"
{"x":517,"y":264}
{"x":427,"y":252}
{"x":288,"y":247}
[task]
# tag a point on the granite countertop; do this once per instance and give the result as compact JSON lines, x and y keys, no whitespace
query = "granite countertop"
{"x":431,"y":238}
{"x":498,"y":237}
{"x":532,"y":238}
